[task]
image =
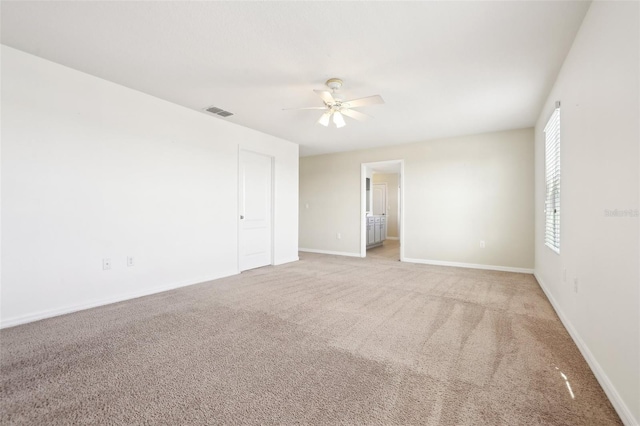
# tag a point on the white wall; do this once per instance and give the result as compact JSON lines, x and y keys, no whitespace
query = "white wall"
{"x":93,"y":170}
{"x":598,"y":87}
{"x":458,"y":191}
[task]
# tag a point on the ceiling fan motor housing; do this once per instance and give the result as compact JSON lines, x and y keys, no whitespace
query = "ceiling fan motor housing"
{"x":334,"y":83}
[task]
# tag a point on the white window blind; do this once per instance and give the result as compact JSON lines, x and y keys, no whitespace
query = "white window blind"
{"x":552,"y":180}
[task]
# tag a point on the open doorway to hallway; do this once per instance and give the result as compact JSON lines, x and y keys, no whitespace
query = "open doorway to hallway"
{"x":389,"y":250}
{"x":382,"y":212}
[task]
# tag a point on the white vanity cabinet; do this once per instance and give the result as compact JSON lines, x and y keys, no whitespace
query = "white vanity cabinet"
{"x":376,"y":230}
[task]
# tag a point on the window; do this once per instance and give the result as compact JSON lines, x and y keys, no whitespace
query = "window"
{"x":552,"y":180}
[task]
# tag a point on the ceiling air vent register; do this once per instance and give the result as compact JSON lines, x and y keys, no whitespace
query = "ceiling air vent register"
{"x":218,"y":111}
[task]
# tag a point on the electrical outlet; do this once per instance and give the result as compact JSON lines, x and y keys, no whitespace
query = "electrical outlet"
{"x":482,"y":245}
{"x":130,"y":261}
{"x":106,"y":264}
{"x":339,"y":236}
{"x":575,"y":285}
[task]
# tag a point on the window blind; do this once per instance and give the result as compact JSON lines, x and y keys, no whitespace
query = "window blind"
{"x":552,"y":180}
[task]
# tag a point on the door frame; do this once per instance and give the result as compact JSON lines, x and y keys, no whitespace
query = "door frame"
{"x":363,"y":202}
{"x":239,"y":201}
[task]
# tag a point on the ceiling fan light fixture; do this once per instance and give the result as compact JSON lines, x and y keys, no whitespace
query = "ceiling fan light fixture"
{"x":338,"y":119}
{"x":324,"y":119}
{"x":336,"y":105}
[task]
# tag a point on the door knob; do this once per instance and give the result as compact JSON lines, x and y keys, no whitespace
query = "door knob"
{"x":241,"y":216}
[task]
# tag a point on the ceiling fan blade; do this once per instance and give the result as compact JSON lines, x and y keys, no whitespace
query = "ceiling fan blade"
{"x":289,"y":109}
{"x":324,"y":118}
{"x":326,"y":96}
{"x":369,"y":100}
{"x":355,"y":114}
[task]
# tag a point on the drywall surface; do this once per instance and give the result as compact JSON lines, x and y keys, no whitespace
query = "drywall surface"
{"x":92,"y":170}
{"x":458,"y":192}
{"x":391,"y":179}
{"x":598,"y":88}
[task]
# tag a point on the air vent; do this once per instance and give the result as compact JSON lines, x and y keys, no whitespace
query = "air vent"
{"x":218,"y":111}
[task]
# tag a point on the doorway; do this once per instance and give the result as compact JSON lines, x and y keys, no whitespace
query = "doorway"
{"x":382,"y":205}
{"x":255,"y":183}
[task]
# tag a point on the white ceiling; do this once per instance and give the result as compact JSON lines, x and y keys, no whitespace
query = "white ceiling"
{"x":443,"y":68}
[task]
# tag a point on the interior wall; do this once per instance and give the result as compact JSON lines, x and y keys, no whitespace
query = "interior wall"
{"x":458,"y":191}
{"x":598,"y":87}
{"x":93,"y":170}
{"x":391,"y":179}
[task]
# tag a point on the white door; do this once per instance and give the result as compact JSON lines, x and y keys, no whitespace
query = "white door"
{"x":379,"y":198}
{"x":255,"y":210}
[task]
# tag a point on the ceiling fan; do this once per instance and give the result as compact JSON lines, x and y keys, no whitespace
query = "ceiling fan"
{"x":336,"y":106}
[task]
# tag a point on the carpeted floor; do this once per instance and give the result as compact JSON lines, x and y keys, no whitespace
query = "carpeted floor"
{"x":326,"y":340}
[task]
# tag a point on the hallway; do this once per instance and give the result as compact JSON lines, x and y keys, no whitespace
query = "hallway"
{"x":389,"y":250}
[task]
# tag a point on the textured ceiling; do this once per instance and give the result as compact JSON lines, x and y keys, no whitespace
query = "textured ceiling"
{"x":443,"y":68}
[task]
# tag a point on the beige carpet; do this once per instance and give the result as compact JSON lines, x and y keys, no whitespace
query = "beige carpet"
{"x":327,"y":340}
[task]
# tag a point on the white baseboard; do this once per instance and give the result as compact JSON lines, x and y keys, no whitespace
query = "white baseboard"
{"x":393,"y":238}
{"x":282,"y":262}
{"x":618,"y":403}
{"x":337,"y":253}
{"x":48,"y":313}
{"x":469,"y":265}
